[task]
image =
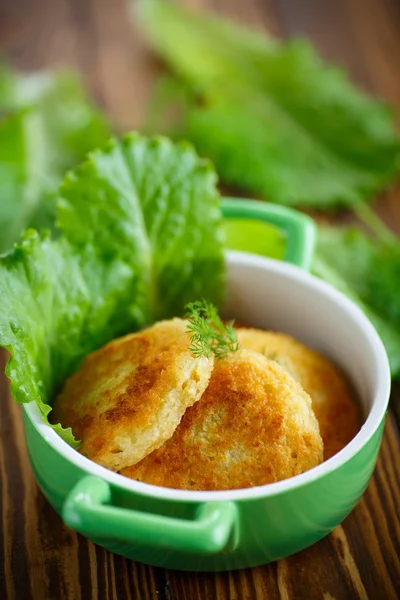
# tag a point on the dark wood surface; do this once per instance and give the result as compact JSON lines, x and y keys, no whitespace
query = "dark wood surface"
{"x":39,"y":557}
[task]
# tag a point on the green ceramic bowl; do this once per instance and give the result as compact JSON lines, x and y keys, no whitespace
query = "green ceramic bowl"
{"x":240,"y":528}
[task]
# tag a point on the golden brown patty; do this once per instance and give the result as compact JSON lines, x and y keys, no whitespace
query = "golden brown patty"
{"x":253,"y":425}
{"x":129,"y":396}
{"x":332,"y":401}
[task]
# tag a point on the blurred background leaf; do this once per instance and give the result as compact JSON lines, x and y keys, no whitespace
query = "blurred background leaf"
{"x":47,"y":126}
{"x":275,"y":119}
{"x":368,"y":271}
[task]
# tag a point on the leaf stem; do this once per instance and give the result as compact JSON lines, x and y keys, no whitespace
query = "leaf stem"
{"x":364,"y":212}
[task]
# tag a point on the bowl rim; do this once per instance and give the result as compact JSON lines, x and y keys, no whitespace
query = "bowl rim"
{"x":368,"y":429}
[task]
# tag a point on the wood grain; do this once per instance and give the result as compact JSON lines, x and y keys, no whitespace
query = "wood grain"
{"x":40,"y":558}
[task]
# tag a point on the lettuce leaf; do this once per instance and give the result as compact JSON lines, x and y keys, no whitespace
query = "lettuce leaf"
{"x":274,"y":118}
{"x":48,"y":305}
{"x":20,"y":180}
{"x":140,"y":237}
{"x":47,"y":126}
{"x":368,"y":271}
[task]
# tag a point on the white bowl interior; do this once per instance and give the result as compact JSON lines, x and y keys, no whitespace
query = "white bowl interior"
{"x":292,"y":302}
{"x":275,"y":295}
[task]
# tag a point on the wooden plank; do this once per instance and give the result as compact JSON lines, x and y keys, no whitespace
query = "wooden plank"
{"x":39,"y":556}
{"x":36,"y":35}
{"x":327,"y":26}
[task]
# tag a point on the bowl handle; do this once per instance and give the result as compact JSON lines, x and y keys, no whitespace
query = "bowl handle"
{"x":300,"y":229}
{"x":88,"y":510}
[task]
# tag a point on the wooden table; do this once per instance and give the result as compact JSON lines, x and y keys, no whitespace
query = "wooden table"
{"x":39,"y":557}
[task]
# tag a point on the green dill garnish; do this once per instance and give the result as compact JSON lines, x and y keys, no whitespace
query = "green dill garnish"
{"x":209,"y":334}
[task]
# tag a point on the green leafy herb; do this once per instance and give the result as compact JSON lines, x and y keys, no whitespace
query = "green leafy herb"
{"x":210,"y":336}
{"x":368,"y":271}
{"x":140,"y":237}
{"x":47,"y":126}
{"x":274,"y":118}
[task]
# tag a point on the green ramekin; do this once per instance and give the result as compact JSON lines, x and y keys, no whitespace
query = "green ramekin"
{"x":241,"y":528}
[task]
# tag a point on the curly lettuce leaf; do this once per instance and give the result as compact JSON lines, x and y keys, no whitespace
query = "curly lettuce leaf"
{"x":140,"y":236}
{"x":47,"y":300}
{"x":274,"y":118}
{"x":368,"y":272}
{"x":154,"y":202}
{"x":47,"y":126}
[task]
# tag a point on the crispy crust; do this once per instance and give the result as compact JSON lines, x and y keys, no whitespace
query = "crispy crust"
{"x":253,"y":425}
{"x":332,"y":399}
{"x":129,"y":396}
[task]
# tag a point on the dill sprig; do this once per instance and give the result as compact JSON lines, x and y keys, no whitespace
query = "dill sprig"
{"x":209,"y":334}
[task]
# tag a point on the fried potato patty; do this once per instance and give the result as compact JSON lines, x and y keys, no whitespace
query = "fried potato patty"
{"x":253,"y":425}
{"x":332,"y":400}
{"x":129,"y":396}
